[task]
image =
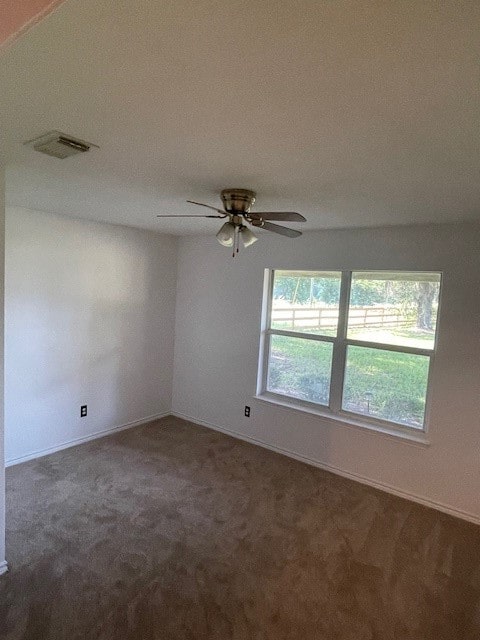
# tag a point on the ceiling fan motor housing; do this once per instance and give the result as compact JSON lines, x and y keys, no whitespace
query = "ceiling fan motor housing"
{"x":238,"y":200}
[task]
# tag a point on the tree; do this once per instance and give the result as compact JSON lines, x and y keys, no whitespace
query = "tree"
{"x":425,"y":297}
{"x":300,"y":290}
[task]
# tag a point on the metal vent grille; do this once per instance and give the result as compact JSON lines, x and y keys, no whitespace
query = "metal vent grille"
{"x":59,"y":145}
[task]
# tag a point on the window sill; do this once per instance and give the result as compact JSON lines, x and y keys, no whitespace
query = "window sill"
{"x":408,"y":437}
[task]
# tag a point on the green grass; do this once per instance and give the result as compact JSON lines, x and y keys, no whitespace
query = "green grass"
{"x":384,"y":384}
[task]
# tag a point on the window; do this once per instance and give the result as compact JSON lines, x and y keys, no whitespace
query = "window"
{"x":356,"y":344}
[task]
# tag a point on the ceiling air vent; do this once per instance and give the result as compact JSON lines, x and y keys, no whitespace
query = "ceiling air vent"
{"x":59,"y":145}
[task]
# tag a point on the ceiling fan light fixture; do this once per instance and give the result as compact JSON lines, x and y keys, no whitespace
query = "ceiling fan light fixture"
{"x":248,"y":237}
{"x":226,"y":235}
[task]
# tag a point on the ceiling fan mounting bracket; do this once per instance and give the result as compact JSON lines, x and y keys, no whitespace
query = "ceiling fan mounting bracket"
{"x":238,"y":201}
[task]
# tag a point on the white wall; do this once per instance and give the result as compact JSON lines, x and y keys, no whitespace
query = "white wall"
{"x":89,"y":320}
{"x":217,"y":335}
{"x":3,"y":564}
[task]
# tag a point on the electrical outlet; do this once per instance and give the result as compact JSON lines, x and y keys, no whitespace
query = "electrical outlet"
{"x":247,"y":411}
{"x":83,"y":410}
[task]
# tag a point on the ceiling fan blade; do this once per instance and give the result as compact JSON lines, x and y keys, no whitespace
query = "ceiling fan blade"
{"x":276,"y":228}
{"x":172,"y":215}
{"x":285,"y":216}
{"x":200,"y":204}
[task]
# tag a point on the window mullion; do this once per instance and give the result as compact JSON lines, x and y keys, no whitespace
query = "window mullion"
{"x":304,"y":336}
{"x":387,"y":346}
{"x":340,"y":345}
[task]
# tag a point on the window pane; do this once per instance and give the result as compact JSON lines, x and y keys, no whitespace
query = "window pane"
{"x":300,"y":368}
{"x":306,"y":301}
{"x":386,"y":384}
{"x":394,"y":308}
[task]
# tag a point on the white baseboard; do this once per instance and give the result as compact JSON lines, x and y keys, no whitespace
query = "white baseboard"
{"x":3,"y":567}
{"x":458,"y":513}
{"x":81,"y":440}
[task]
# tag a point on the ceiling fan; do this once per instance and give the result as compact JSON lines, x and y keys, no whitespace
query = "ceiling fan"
{"x":236,"y":207}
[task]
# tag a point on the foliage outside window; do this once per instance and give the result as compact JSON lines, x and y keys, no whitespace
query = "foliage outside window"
{"x":358,"y":343}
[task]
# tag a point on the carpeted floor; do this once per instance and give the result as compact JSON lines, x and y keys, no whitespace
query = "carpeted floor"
{"x":172,"y":531}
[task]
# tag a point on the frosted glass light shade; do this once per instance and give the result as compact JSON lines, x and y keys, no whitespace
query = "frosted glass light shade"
{"x":226,"y":235}
{"x":248,"y":237}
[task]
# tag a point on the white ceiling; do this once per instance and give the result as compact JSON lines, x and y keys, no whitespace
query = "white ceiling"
{"x":352,"y":112}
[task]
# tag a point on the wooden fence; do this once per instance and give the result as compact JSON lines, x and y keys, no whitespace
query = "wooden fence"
{"x":327,"y":317}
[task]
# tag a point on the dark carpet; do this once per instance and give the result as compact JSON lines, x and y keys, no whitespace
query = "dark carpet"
{"x":172,"y":531}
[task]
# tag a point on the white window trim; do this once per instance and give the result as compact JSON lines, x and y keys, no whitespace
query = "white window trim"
{"x":334,"y":412}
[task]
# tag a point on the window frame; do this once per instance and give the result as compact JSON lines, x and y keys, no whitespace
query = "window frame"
{"x":340,"y":344}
